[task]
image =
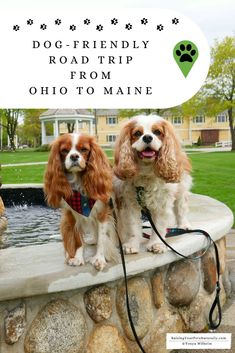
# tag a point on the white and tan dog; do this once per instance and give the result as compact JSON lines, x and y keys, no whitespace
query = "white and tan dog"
{"x":148,"y":154}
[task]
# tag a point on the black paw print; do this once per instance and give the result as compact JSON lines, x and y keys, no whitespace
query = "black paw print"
{"x":87,"y":21}
{"x":43,"y":27}
{"x":29,"y":22}
{"x":144,"y":21}
{"x":72,"y":28}
{"x":114,"y":21}
{"x":99,"y":28}
{"x":128,"y":26}
{"x":58,"y":22}
{"x":188,"y":56}
{"x":175,"y":21}
{"x":16,"y":28}
{"x":160,"y":27}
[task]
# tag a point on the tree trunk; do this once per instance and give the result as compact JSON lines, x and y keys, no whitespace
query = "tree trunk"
{"x":232,"y":127}
{"x":96,"y":123}
{"x":70,"y":127}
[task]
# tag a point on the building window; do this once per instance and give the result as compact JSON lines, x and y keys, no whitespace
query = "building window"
{"x":111,"y":120}
{"x":221,"y":118}
{"x":177,"y":120}
{"x":199,"y":119}
{"x":111,"y":138}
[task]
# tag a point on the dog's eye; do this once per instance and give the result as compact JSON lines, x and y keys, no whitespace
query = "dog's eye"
{"x":157,"y":132}
{"x":138,"y":133}
{"x":84,"y":149}
{"x":64,"y":151}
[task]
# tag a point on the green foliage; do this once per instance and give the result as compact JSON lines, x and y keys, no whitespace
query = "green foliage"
{"x":199,"y":141}
{"x":220,"y":85}
{"x":30,"y":131}
{"x":42,"y":148}
{"x":10,"y":118}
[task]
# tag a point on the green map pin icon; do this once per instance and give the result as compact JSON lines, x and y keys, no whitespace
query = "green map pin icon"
{"x":185,"y":54}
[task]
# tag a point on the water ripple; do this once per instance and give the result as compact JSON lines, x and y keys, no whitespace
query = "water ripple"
{"x":31,"y":225}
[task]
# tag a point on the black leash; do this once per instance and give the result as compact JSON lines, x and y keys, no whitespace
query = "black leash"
{"x":140,"y":195}
{"x":171,"y":232}
{"x":178,"y":231}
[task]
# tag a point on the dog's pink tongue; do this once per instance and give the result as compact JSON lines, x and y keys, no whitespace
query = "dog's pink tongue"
{"x":148,"y":153}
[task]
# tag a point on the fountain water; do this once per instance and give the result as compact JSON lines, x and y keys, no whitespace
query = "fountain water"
{"x":3,"y":219}
{"x":30,"y":221}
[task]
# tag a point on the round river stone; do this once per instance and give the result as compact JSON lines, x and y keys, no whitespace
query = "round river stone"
{"x":182,"y":283}
{"x":140,"y":305}
{"x":106,"y":339}
{"x":209,"y":270}
{"x":98,"y":303}
{"x":58,"y":327}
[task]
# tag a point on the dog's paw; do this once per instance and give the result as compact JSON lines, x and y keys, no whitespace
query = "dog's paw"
{"x":98,"y":261}
{"x":130,"y":248}
{"x":186,"y":226}
{"x":74,"y":261}
{"x":155,"y":247}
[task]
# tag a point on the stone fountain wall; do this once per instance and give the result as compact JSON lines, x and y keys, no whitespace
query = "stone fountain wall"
{"x":3,"y":219}
{"x":172,"y":298}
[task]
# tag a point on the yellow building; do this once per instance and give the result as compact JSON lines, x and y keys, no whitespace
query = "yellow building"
{"x":189,"y":129}
{"x":106,"y":124}
{"x":209,"y":130}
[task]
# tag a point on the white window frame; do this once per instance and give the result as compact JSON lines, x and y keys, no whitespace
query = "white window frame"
{"x":199,"y":119}
{"x":177,"y":120}
{"x":111,"y":120}
{"x":111,"y":138}
{"x":222,"y":117}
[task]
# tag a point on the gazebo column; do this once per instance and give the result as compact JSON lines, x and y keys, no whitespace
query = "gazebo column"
{"x":43,"y":130}
{"x":90,"y":127}
{"x":76,"y":128}
{"x":56,"y":128}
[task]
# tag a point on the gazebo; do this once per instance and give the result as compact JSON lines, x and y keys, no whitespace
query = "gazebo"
{"x":64,"y":116}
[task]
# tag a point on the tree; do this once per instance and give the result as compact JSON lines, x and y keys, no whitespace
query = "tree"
{"x":220,"y":85}
{"x":30,"y":131}
{"x":128,"y":113}
{"x":11,"y":118}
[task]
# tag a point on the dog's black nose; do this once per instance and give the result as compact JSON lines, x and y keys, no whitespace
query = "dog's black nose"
{"x":147,"y":138}
{"x":74,"y":157}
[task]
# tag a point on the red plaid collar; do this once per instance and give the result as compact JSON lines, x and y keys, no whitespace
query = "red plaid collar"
{"x":80,"y":203}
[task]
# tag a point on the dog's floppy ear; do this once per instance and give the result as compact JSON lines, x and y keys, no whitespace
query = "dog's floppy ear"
{"x":97,"y":177}
{"x":125,"y":166}
{"x":171,"y":161}
{"x":56,"y":185}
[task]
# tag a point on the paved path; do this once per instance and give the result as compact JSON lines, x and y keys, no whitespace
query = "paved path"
{"x":228,"y":321}
{"x":208,"y":149}
{"x":22,"y":164}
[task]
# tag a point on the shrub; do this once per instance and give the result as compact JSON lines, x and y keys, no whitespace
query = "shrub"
{"x":43,"y":148}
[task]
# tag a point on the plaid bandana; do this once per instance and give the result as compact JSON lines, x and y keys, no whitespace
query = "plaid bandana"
{"x":80,"y":203}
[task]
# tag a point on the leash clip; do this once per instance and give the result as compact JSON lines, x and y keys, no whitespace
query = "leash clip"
{"x":218,"y":289}
{"x":140,"y":196}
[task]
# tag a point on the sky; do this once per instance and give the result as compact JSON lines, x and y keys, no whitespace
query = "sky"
{"x":214,"y":17}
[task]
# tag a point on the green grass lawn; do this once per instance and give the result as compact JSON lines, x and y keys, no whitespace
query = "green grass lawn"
{"x":22,"y":156}
{"x":213,"y":173}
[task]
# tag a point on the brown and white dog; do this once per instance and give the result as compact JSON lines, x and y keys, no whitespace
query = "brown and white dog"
{"x":78,"y":165}
{"x":148,"y":154}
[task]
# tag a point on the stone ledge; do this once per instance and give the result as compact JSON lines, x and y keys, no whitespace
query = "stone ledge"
{"x":36,"y":270}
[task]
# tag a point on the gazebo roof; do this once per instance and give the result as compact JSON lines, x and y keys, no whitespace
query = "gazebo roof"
{"x":66,"y":112}
{"x":107,"y":112}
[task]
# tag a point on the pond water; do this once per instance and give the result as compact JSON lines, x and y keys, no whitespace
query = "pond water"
{"x":31,"y":225}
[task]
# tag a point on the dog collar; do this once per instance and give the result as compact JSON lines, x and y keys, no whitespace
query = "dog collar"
{"x":80,"y":203}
